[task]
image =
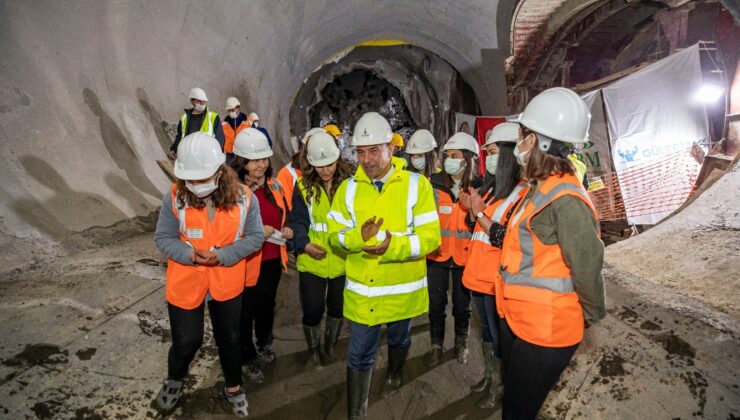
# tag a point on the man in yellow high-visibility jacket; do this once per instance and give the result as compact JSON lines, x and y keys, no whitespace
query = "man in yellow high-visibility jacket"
{"x":385,"y":219}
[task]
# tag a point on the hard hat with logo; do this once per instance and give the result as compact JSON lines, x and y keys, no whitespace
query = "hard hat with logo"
{"x":462,"y":141}
{"x":321,"y":149}
{"x":503,"y":133}
{"x":310,"y":133}
{"x":198,"y":157}
{"x":251,"y":144}
{"x":397,"y":140}
{"x":254,"y":116}
{"x":232,"y":102}
{"x":371,"y":129}
{"x":557,"y":114}
{"x":421,"y":141}
{"x":198,"y":93}
{"x":332,"y":129}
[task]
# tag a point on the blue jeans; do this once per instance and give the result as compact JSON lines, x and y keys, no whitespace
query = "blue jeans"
{"x":364,"y":341}
{"x":486,"y":306}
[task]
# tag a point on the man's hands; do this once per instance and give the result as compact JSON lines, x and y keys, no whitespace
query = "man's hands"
{"x":370,"y":228}
{"x":315,"y":251}
{"x":381,"y":247}
{"x":203,"y":257}
{"x":172,"y":155}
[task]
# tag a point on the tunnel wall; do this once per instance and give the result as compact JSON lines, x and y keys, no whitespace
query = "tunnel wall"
{"x":86,"y":86}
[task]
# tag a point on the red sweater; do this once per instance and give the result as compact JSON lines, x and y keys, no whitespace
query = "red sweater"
{"x":270,"y":217}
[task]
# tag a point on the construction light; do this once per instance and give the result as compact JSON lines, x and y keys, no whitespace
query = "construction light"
{"x":709,"y":93}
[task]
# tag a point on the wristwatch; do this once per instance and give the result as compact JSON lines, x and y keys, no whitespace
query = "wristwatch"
{"x":479,"y":215}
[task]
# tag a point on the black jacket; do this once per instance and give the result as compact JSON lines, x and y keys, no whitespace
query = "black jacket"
{"x":217,"y":130}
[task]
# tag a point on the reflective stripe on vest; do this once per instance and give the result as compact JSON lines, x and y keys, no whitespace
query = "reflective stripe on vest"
{"x":523,"y":276}
{"x":316,"y":227}
{"x":206,"y":127}
{"x":243,"y":205}
{"x":292,"y":172}
{"x":396,"y":289}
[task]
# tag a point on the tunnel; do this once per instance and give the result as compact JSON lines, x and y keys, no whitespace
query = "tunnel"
{"x":90,"y":97}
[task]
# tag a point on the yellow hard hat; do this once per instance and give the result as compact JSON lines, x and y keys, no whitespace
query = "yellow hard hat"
{"x":397,"y":140}
{"x":332,"y":129}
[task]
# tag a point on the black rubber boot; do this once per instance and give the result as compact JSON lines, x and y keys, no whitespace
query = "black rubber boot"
{"x":483,"y":384}
{"x":358,"y":389}
{"x":434,"y":356}
{"x":313,"y":335}
{"x":492,"y":399}
{"x":396,"y":360}
{"x":461,"y":348}
{"x":331,"y":334}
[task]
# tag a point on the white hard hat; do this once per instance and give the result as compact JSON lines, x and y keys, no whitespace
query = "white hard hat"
{"x":321,"y":149}
{"x":310,"y":133}
{"x":421,"y":141}
{"x":251,"y":144}
{"x":371,"y":129}
{"x":462,"y":141}
{"x":503,"y":133}
{"x":557,"y":114}
{"x":198,"y":157}
{"x":254,"y":116}
{"x":232,"y":102}
{"x":197,"y":93}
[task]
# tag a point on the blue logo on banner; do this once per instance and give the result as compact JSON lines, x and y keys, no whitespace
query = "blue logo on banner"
{"x":628,"y":155}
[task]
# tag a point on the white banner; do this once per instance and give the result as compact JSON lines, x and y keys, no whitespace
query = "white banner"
{"x":653,"y":121}
{"x":595,"y":153}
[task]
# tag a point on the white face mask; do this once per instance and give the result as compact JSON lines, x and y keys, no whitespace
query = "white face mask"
{"x":520,"y":155}
{"x":233,"y":115}
{"x":202,"y":190}
{"x":454,"y":166}
{"x":491,"y":163}
{"x":200,"y":107}
{"x":419,"y":162}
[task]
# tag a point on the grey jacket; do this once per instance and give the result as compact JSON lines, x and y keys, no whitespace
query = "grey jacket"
{"x":167,"y":236}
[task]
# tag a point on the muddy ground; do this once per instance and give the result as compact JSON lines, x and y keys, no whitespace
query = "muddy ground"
{"x":86,"y":337}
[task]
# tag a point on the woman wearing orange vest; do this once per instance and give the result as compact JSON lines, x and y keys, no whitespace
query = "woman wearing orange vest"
{"x":207,"y":225}
{"x":234,"y":122}
{"x":252,"y":163}
{"x":461,"y":150}
{"x":488,"y":214}
{"x":550,"y":285}
{"x":421,"y":150}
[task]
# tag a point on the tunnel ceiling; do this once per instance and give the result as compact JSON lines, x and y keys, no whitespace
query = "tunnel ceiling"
{"x":412,"y":87}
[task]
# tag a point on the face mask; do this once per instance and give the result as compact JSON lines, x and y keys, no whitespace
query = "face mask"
{"x":520,"y":155}
{"x":233,"y":115}
{"x":452,"y":166}
{"x":200,"y":107}
{"x":255,"y":124}
{"x":202,"y":190}
{"x":419,"y":162}
{"x":491,"y":164}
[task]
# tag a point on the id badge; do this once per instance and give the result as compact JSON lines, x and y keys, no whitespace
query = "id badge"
{"x":195,"y":233}
{"x":445,"y":210}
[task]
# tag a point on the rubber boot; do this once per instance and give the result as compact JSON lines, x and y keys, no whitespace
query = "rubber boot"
{"x":434,"y":356}
{"x":461,"y":348}
{"x":358,"y":389}
{"x":483,"y":384}
{"x":313,"y":335}
{"x":331,"y":335}
{"x":491,"y":400}
{"x":396,"y":360}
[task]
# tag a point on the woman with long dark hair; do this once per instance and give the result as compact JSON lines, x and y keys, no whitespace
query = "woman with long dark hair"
{"x":252,"y":164}
{"x":551,"y":260}
{"x":321,"y":267}
{"x":489,"y":213}
{"x":461,"y":152}
{"x":207,"y":225}
{"x":421,"y":150}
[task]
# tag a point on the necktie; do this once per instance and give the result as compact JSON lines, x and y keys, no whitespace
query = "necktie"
{"x":379,"y":185}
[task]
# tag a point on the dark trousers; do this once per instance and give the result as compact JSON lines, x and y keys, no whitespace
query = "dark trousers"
{"x":318,"y":292}
{"x":187,"y":337}
{"x":364,"y":341}
{"x":258,"y":312}
{"x":438,"y":278}
{"x":530,"y":372}
{"x":486,"y":308}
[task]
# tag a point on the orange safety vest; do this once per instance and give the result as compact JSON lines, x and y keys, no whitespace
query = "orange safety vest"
{"x":230,"y":134}
{"x":288,"y":176}
{"x":536,"y":294}
{"x":254,"y":260}
{"x":187,"y":285}
{"x":454,"y":232}
{"x":478,"y":274}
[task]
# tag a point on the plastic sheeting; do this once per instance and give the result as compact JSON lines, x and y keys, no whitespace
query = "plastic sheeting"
{"x":595,"y":154}
{"x":653,"y":121}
